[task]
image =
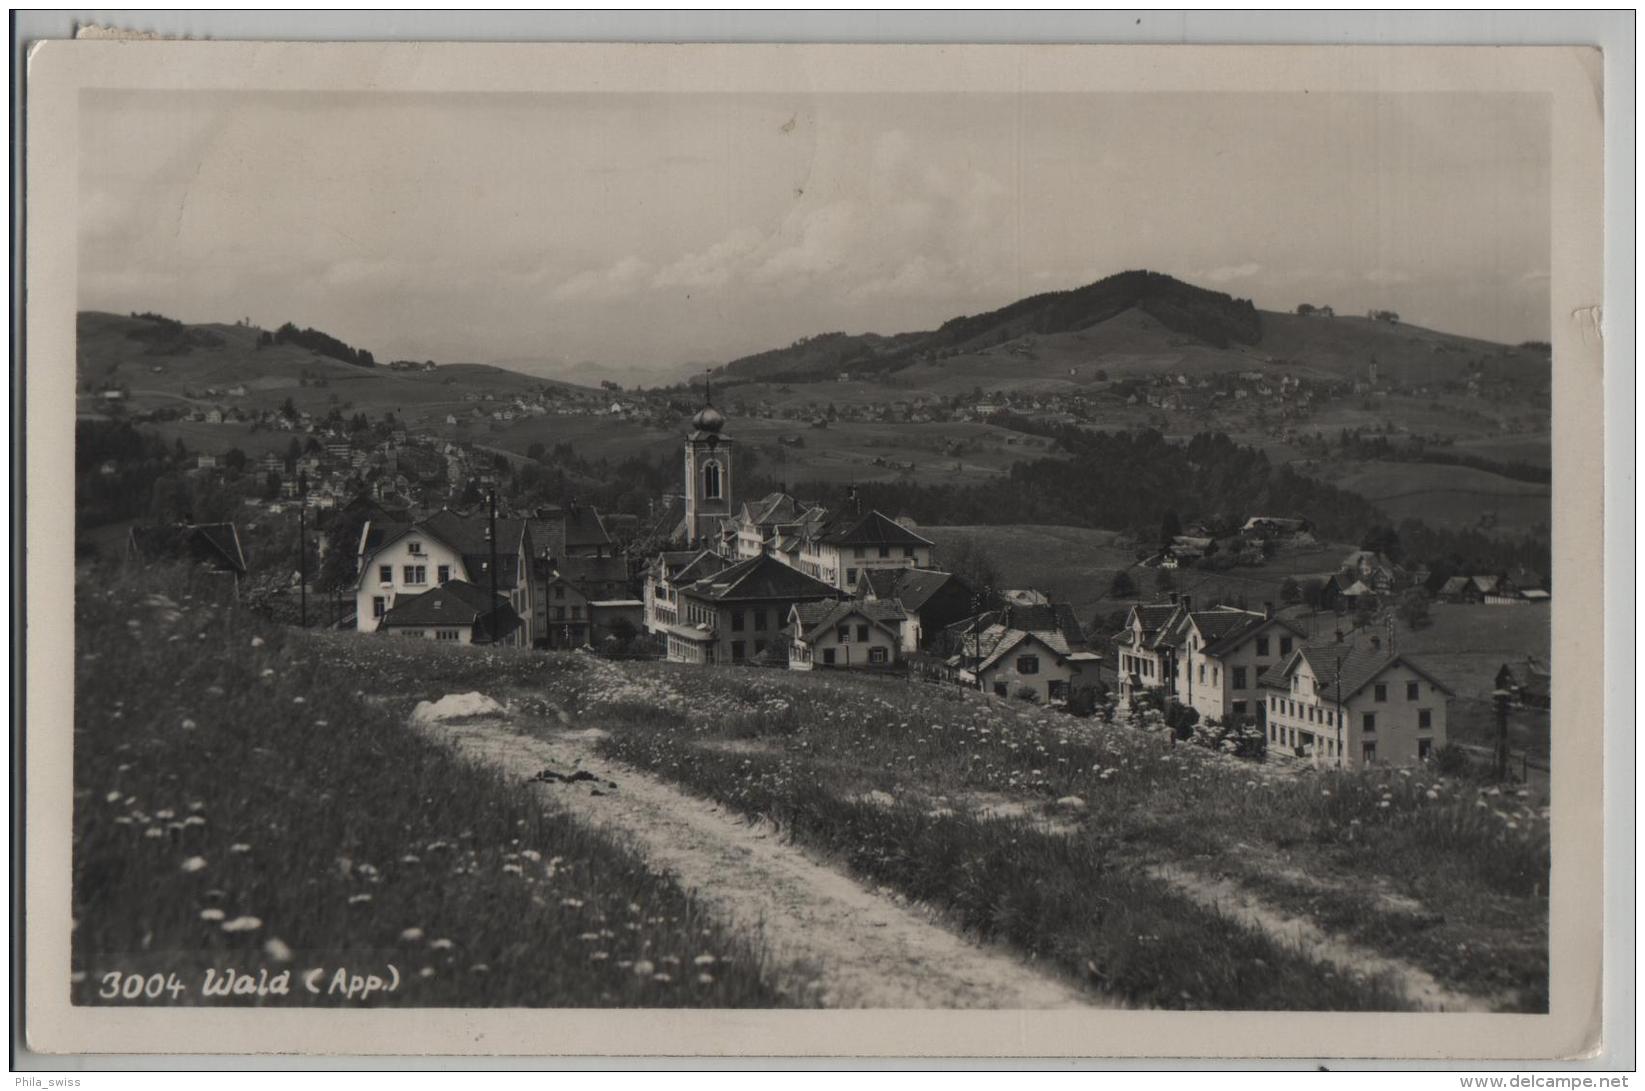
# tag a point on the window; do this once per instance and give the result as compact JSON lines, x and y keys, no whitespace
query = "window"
{"x":416,"y":574}
{"x":418,"y":633}
{"x":1368,"y":752}
{"x":858,"y":552}
{"x":736,"y":621}
{"x":877,"y":656}
{"x":1369,"y":723}
{"x":1411,"y":691}
{"x":576,"y":613}
{"x":759,"y":647}
{"x":1239,"y":708}
{"x":1028,"y":664}
{"x":1202,"y":672}
{"x":1056,"y":689}
{"x":559,"y":613}
{"x":843,"y":634}
{"x":907,"y":551}
{"x":443,"y":575}
{"x":1216,"y":676}
{"x":1425,"y":718}
{"x":1285,"y":645}
{"x":759,"y":621}
{"x":385,"y":573}
{"x":1381,"y":692}
{"x":1239,"y":677}
{"x":736,"y":650}
{"x":1425,"y":748}
{"x":414,"y":548}
{"x":711,"y":480}
{"x":885,"y":551}
{"x":850,"y":577}
{"x":999,"y":689}
{"x":445,"y":634}
{"x":559,"y":590}
{"x":379,"y":606}
{"x":828,"y":656}
{"x":862,"y":632}
{"x":1262,"y":646}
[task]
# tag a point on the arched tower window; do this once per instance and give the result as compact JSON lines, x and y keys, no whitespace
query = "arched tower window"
{"x":711,"y":480}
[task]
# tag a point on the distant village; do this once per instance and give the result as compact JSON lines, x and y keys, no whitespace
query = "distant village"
{"x":714,"y":578}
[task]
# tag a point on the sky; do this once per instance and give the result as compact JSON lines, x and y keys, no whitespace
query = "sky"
{"x":636,"y":236}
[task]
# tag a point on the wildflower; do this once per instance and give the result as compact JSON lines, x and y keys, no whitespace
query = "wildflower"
{"x":276,"y":949}
{"x":112,"y":797}
{"x":167,"y":813}
{"x":572,"y":903}
{"x":194,"y":863}
{"x":411,"y":935}
{"x":211,"y":914}
{"x":441,"y":945}
{"x":188,"y":725}
{"x":239,"y":848}
{"x":705,"y":979}
{"x":154,"y":831}
{"x":242,"y":924}
{"x":704,"y":960}
{"x":299,"y":701}
{"x":664,"y":978}
{"x":359,"y":899}
{"x":408,"y":858}
{"x":426,"y":971}
{"x":480,"y":968}
{"x":599,"y":956}
{"x":256,"y":642}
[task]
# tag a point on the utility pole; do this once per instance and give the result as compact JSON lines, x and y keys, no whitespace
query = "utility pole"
{"x":491,"y":539}
{"x":1500,"y":699}
{"x":302,"y":548}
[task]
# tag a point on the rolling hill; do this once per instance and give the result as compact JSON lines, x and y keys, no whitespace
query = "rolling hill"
{"x":1137,"y":324}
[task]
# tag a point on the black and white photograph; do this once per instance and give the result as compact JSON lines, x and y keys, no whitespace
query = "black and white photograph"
{"x":774,"y":544}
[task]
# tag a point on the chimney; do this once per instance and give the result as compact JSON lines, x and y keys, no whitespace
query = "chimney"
{"x":1173,"y":598}
{"x":1268,"y":610}
{"x":1376,"y":643}
{"x":1188,"y":603}
{"x":1339,"y":636}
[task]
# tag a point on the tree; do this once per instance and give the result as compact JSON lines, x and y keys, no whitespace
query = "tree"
{"x":1413,"y":609}
{"x":1289,"y":591}
{"x":1383,"y":539}
{"x":1170,"y":527}
{"x":1123,"y":586}
{"x":1164,"y":581}
{"x":235,"y":459}
{"x":1305,"y":309}
{"x":1313,"y":593}
{"x":288,"y":409}
{"x":536,"y":452}
{"x":976,"y":569}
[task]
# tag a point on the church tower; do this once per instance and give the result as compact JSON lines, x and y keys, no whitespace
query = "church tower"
{"x":707,"y":476}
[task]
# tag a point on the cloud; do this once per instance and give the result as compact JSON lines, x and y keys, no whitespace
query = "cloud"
{"x":617,"y":281}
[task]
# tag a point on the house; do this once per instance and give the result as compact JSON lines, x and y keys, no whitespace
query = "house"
{"x":564,"y":613}
{"x":1375,"y":570}
{"x":1038,"y":652}
{"x":741,"y":613}
{"x":456,"y":612}
{"x":846,"y":543}
{"x":403,"y":559}
{"x":1353,"y":705}
{"x":845,"y":634}
{"x":1143,"y":662}
{"x":1275,"y":526}
{"x":1531,"y":686}
{"x":930,"y":600}
{"x":665,"y":574}
{"x":1221,"y":653}
{"x":215,"y":545}
{"x":619,"y":618}
{"x":1457,"y":589}
{"x":571,"y":530}
{"x":756,"y":525}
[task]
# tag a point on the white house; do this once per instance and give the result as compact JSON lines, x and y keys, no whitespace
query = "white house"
{"x":400,"y":559}
{"x":850,"y":542}
{"x":1350,"y":706}
{"x":845,"y":635}
{"x":456,"y":612}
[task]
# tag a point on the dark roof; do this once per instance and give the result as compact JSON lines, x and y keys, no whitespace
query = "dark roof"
{"x":1154,"y":615}
{"x":566,"y":527}
{"x":818,"y":617}
{"x":868,"y":528}
{"x":702,"y":564}
{"x":455,"y":603}
{"x":762,"y":577}
{"x":592,"y":570}
{"x":1045,"y":618}
{"x":466,"y":534}
{"x":915,"y":586}
{"x":215,"y":544}
{"x":1342,"y":668}
{"x":881,"y":581}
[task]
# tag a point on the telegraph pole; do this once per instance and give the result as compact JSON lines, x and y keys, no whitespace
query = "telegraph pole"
{"x":302,"y":548}
{"x":491,"y":538}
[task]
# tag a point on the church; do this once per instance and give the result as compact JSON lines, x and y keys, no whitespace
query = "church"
{"x":724,"y":585}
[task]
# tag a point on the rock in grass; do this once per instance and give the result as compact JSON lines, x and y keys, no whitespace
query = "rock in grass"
{"x":1071,"y":803}
{"x":455,"y":706}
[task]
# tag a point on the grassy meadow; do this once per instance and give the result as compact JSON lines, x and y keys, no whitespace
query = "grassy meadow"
{"x":240,"y":805}
{"x":963,"y":802}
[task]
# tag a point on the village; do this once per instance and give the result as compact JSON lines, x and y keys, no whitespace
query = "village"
{"x":776,"y":581}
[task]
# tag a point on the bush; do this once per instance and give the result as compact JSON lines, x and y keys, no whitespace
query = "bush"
{"x":1451,"y":760}
{"x":1026,"y":692}
{"x":1181,"y":720}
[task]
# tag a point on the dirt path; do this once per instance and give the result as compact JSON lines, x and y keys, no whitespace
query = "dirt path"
{"x":870,"y":949}
{"x":1229,"y":898}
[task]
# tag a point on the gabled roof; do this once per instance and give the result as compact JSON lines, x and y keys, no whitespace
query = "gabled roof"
{"x":591,"y":570}
{"x":1153,"y":615}
{"x":1055,"y":618}
{"x":1342,"y":670}
{"x":771,"y":509}
{"x":912,"y":587}
{"x":1228,"y":628}
{"x":456,"y":604}
{"x":463,"y":534}
{"x":816,"y":618}
{"x":1011,"y":639}
{"x":1455,"y":585}
{"x":759,"y":578}
{"x":702,"y":563}
{"x":868,"y":528}
{"x":570,"y":526}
